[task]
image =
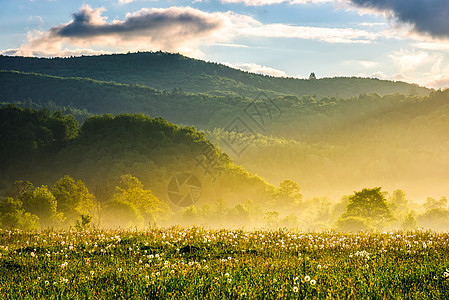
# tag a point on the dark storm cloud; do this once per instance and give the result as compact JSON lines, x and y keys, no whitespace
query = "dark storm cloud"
{"x":426,"y":16}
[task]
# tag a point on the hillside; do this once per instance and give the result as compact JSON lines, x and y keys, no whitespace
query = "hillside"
{"x":87,"y":96}
{"x":165,"y":71}
{"x":42,"y":147}
{"x":329,"y":145}
{"x":329,"y":148}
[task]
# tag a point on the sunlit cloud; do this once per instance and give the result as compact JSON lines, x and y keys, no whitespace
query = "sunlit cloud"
{"x":170,"y":29}
{"x":423,"y":67}
{"x":272,"y":2}
{"x":175,"y":29}
{"x":372,"y":24}
{"x":367,"y":64}
{"x":409,"y":62}
{"x":379,"y":75}
{"x":259,"y":69}
{"x":329,"y":35}
{"x":439,"y":82}
{"x":231,"y":45}
{"x":435,"y":46}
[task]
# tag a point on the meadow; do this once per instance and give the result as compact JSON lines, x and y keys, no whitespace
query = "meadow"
{"x":199,"y":263}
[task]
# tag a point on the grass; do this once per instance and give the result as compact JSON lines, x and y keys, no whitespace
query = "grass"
{"x":197,"y":263}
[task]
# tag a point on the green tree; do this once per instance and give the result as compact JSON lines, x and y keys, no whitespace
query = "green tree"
{"x":287,"y":195}
{"x":371,"y":205}
{"x":409,"y":222}
{"x":43,"y":204}
{"x":353,"y":224}
{"x":73,"y":198}
{"x":432,"y":203}
{"x":398,"y":203}
{"x":122,"y":214}
{"x":12,"y":215}
{"x":131,"y":191}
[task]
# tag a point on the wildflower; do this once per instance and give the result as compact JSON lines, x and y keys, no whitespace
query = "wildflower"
{"x":295,"y":289}
{"x":64,"y":264}
{"x":446,"y":274}
{"x":307,"y":278}
{"x":313,"y":282}
{"x":64,"y":280}
{"x":33,"y":254}
{"x":92,"y":273}
{"x":119,"y":269}
{"x":319,"y":267}
{"x":227,"y":274}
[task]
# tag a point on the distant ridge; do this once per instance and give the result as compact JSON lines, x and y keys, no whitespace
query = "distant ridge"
{"x":168,"y":71}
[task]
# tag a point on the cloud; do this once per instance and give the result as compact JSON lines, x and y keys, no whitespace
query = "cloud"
{"x":174,"y":29}
{"x":325,"y":34}
{"x":271,"y":2}
{"x":231,"y":45}
{"x":131,"y":1}
{"x":423,"y":67}
{"x":426,"y":16}
{"x":410,"y":62}
{"x":439,"y":82}
{"x":372,"y":24}
{"x":434,"y":46}
{"x":379,"y":75}
{"x":259,"y":69}
{"x":178,"y":22}
{"x":367,"y":64}
{"x":170,"y":29}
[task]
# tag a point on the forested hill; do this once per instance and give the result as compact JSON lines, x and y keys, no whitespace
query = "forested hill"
{"x":166,"y":71}
{"x":41,"y":147}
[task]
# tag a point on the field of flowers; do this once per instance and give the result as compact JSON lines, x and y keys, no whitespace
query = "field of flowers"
{"x":196,"y":263}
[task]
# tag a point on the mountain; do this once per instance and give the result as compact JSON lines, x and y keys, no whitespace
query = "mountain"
{"x":168,"y":72}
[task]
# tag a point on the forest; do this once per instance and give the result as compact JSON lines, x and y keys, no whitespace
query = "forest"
{"x":124,"y":165}
{"x":166,"y":71}
{"x":95,"y":138}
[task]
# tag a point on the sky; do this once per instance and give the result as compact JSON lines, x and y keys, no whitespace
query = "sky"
{"x":406,"y":40}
